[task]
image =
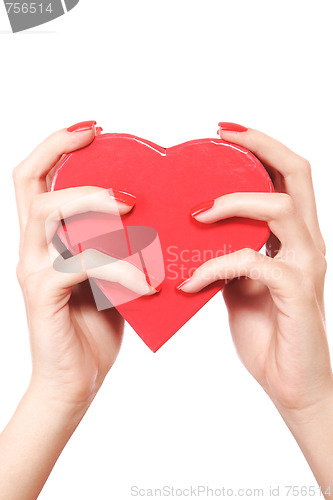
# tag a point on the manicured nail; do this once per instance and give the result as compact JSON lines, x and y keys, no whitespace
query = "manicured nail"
{"x":122,"y":197}
{"x":82,"y":126}
{"x":99,"y":130}
{"x":155,"y":289}
{"x":202,"y":207}
{"x":231,"y":127}
{"x":158,"y":288}
{"x":183,"y":283}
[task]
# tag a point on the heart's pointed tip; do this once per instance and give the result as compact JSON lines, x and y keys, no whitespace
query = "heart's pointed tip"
{"x":154,"y":348}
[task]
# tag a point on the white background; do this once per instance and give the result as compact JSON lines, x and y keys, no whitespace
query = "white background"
{"x":168,"y":72}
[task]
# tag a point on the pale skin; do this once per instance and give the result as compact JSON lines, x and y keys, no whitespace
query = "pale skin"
{"x":276,"y":314}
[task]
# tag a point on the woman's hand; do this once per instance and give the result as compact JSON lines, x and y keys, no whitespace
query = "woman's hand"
{"x":277,"y":312}
{"x":73,"y":345}
{"x":276,"y":301}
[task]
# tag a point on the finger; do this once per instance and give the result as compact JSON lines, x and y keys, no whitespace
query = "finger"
{"x":49,"y":176}
{"x":48,"y":209}
{"x":277,"y":209}
{"x":272,"y":152}
{"x":56,"y":281}
{"x":94,"y":264}
{"x":296,"y":171}
{"x":274,"y":274}
{"x":30,"y":175}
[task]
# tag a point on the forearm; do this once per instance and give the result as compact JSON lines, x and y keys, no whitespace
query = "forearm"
{"x":32,"y":442}
{"x":313,"y":431}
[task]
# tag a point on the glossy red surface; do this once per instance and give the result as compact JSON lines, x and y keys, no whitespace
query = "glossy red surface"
{"x":166,"y":183}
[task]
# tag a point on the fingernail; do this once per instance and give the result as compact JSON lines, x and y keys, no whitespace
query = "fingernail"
{"x":82,"y":126}
{"x":202,"y":207}
{"x":99,"y":130}
{"x":183,"y":283}
{"x":122,"y":197}
{"x":157,"y":288}
{"x":231,"y":127}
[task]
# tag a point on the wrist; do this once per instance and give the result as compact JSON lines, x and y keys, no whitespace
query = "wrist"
{"x":310,"y":413}
{"x":312,"y":428}
{"x":62,"y":409}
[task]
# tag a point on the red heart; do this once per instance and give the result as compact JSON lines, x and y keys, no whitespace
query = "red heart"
{"x":167,"y":184}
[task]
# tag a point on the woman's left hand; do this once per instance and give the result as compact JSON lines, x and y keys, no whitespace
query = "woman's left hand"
{"x":275,"y":302}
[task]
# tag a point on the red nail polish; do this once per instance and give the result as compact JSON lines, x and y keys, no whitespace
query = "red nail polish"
{"x":231,"y":127}
{"x":82,"y":126}
{"x":202,"y":207}
{"x":158,"y":288}
{"x":122,"y":197}
{"x":99,"y":130}
{"x":183,"y":283}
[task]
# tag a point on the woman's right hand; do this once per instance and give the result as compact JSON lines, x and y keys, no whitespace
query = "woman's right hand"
{"x":73,"y":345}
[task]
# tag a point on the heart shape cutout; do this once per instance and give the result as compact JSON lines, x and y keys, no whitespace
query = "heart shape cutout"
{"x":167,"y":183}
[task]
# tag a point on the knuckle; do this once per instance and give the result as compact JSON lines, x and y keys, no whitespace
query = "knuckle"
{"x":20,"y":272}
{"x":248,"y":254}
{"x":322,"y":246}
{"x":304,"y":165}
{"x":17,"y":174}
{"x":300,"y":165}
{"x":286,"y":204}
{"x":23,"y":174}
{"x":247,"y":260}
{"x":322,"y":265}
